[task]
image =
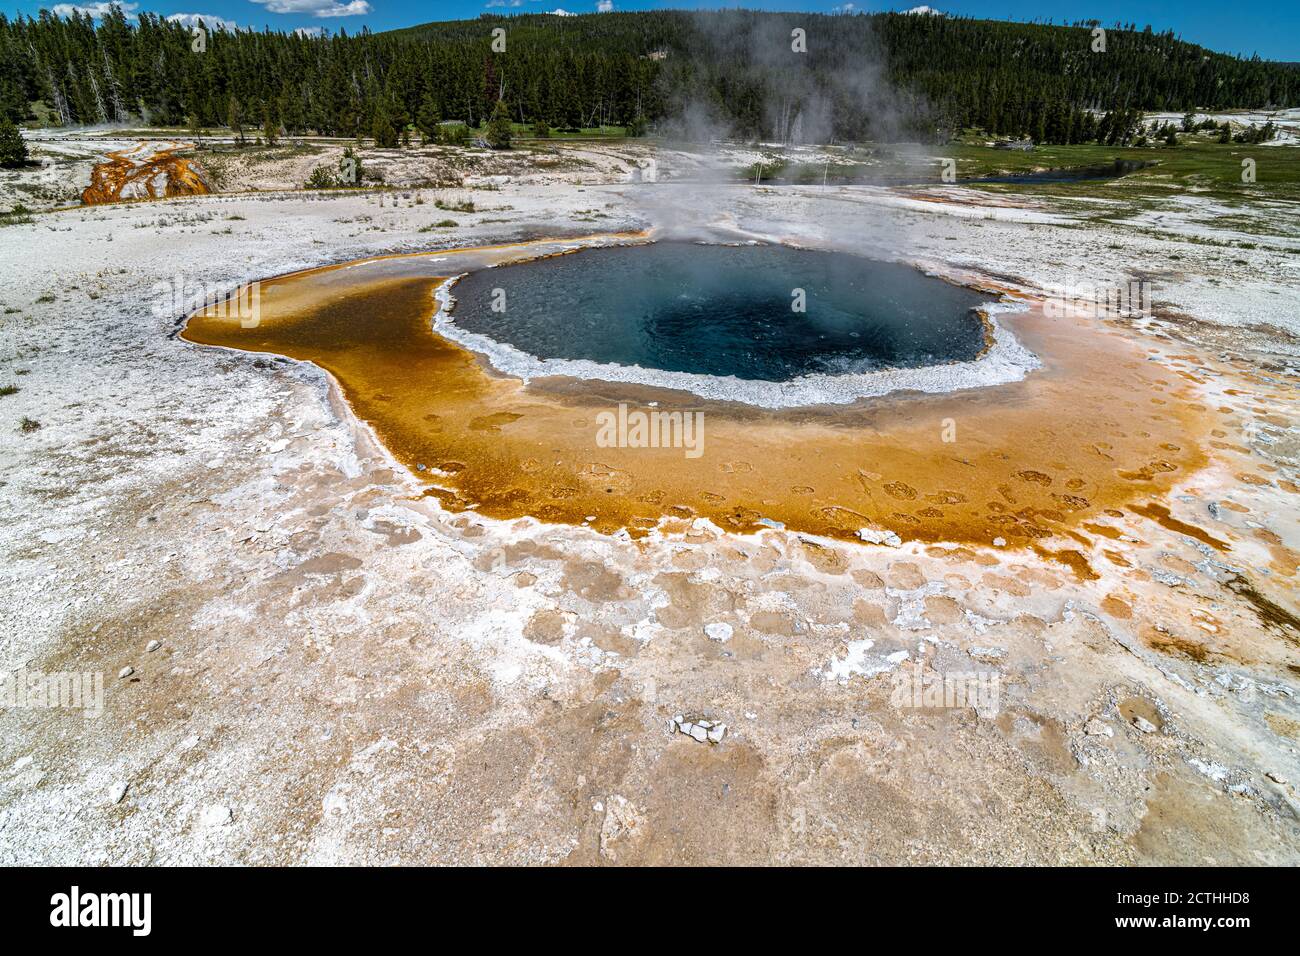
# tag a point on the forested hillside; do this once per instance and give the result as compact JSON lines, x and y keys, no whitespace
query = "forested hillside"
{"x":882,"y":76}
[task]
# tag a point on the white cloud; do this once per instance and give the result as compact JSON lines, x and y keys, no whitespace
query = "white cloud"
{"x":559,"y":12}
{"x":309,"y":31}
{"x":844,"y":8}
{"x":505,"y":3}
{"x":96,"y":10}
{"x":353,"y":9}
{"x":211,"y":22}
{"x":604,"y":6}
{"x":318,"y":8}
{"x":926,"y":11}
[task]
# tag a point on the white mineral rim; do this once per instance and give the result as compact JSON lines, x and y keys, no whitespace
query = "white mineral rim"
{"x":1002,"y":361}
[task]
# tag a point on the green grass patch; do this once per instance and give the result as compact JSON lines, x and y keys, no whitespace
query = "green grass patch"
{"x":1199,"y":168}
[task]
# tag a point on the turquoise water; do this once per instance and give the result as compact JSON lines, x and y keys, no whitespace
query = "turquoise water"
{"x":723,"y":310}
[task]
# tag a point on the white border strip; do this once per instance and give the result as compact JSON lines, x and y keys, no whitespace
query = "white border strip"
{"x":1006,"y":360}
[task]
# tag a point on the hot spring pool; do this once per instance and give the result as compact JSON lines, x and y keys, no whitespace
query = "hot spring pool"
{"x":1057,"y":449}
{"x":715,"y":310}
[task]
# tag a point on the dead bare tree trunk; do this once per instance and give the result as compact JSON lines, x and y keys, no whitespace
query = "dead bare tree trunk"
{"x":114,"y":90}
{"x":100,"y":110}
{"x":60,"y":103}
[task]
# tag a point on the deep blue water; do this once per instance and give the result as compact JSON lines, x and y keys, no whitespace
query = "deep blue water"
{"x":1071,"y":174}
{"x":723,"y":310}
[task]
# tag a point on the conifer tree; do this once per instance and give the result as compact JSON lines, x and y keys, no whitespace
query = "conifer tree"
{"x":13,"y":149}
{"x":381,"y":128}
{"x":499,"y":129}
{"x":428,"y":118}
{"x":271,"y":121}
{"x":233,"y":121}
{"x":631,"y":70}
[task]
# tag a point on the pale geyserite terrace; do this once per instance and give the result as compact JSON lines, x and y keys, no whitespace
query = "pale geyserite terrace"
{"x":336,"y":648}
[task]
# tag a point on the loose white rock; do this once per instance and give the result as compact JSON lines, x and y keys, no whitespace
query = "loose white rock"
{"x":872,"y":536}
{"x":152,"y":646}
{"x":215,"y":816}
{"x":1096,"y":727}
{"x":718,"y":631}
{"x":116,"y":792}
{"x":125,"y":672}
{"x":1215,"y":771}
{"x":1144,"y":725}
{"x":702,"y":730}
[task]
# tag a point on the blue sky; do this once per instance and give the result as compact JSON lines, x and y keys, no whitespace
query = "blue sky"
{"x":1270,"y":28}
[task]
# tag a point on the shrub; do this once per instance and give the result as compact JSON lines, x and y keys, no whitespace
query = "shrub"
{"x":454,"y":134}
{"x":499,"y":128}
{"x":350,"y":171}
{"x":320,"y":178}
{"x":13,"y":150}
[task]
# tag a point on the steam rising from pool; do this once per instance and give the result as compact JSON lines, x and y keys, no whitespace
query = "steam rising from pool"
{"x":761,"y":324}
